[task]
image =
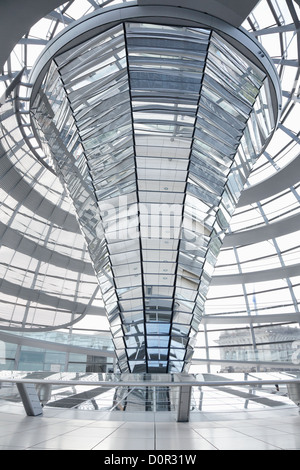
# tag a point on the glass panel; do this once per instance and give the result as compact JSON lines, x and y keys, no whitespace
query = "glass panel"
{"x":152,"y":130}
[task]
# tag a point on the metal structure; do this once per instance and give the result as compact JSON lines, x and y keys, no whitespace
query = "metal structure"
{"x":47,"y":280}
{"x":153,"y":130}
{"x":31,"y":398}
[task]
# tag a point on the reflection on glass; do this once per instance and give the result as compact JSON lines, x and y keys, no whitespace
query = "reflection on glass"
{"x":154,"y":130}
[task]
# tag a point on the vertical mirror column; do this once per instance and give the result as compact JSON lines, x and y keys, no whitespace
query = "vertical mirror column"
{"x":153,"y":130}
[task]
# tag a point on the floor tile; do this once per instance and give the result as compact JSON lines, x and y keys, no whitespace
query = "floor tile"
{"x":260,"y":432}
{"x":3,"y":447}
{"x":285,"y":442}
{"x":93,"y":433}
{"x":246,"y":443}
{"x":125,"y":444}
{"x":133,"y":433}
{"x":218,"y":432}
{"x":68,"y":443}
{"x":67,"y":430}
{"x":184,"y":444}
{"x":105,"y":424}
{"x":187,"y":433}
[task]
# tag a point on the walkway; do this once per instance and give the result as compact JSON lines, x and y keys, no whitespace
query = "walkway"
{"x":65,"y":429}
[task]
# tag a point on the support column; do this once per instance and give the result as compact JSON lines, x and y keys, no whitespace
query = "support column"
{"x":30,"y":399}
{"x":294,"y":393}
{"x":184,"y":403}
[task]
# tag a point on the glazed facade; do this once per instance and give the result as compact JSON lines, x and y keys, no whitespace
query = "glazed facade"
{"x":47,"y":280}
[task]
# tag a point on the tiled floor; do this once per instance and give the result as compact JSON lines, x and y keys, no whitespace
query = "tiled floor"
{"x":273,"y":429}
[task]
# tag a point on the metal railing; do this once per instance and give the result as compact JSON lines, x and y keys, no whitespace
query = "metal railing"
{"x":27,"y":388}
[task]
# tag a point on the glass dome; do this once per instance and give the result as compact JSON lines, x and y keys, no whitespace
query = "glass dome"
{"x":49,"y":293}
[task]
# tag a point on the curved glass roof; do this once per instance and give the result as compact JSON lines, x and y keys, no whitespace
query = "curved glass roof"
{"x":47,"y":280}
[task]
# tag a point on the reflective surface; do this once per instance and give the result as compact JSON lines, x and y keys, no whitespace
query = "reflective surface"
{"x":62,"y":429}
{"x":154,"y":131}
{"x":43,"y":253}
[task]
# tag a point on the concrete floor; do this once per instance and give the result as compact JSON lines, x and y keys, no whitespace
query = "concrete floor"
{"x":62,"y":429}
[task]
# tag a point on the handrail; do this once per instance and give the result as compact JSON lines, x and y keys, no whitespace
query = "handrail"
{"x":145,"y":383}
{"x":33,"y":406}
